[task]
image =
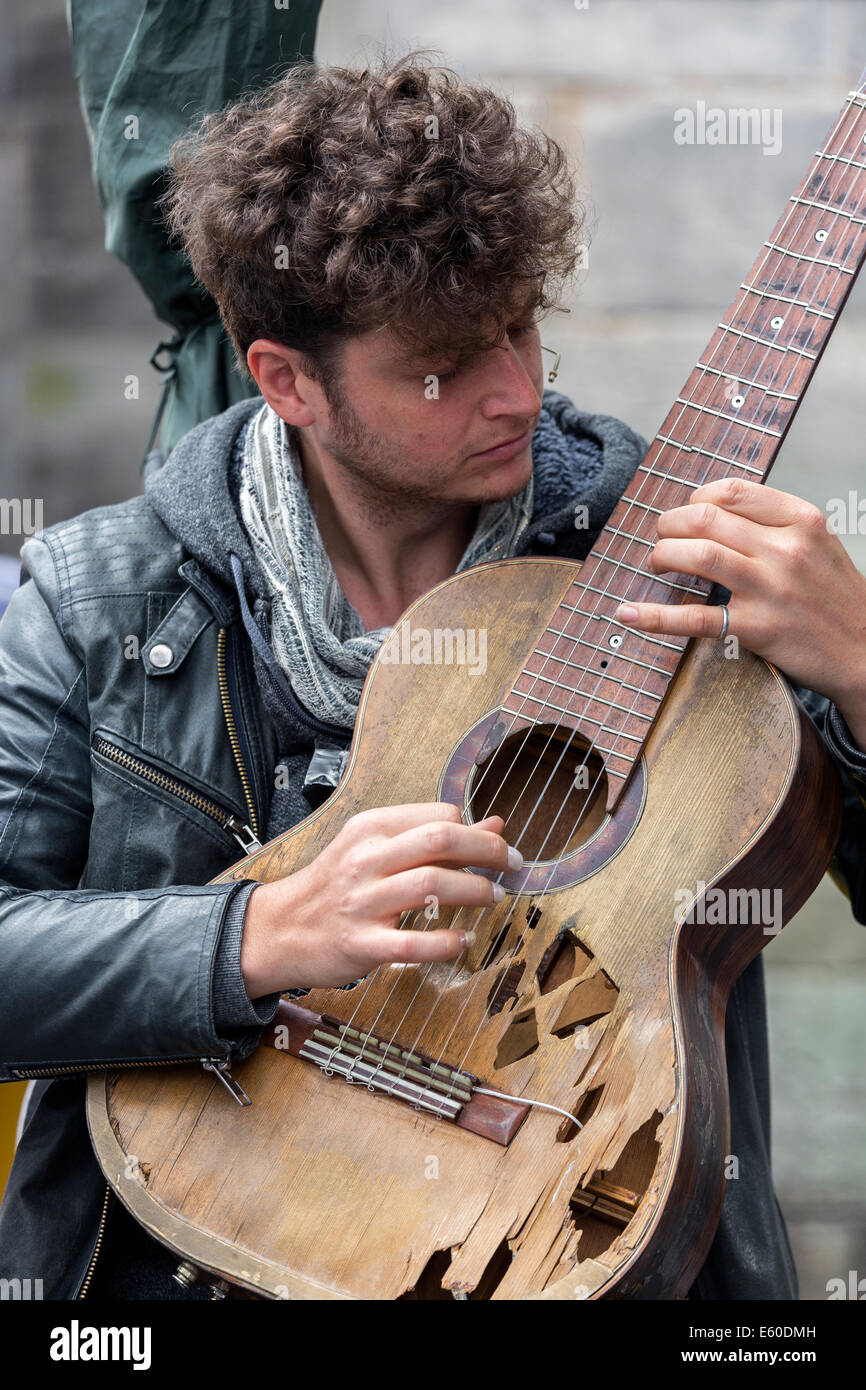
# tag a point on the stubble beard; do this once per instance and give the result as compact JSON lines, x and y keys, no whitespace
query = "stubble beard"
{"x":384,"y":484}
{"x":385,"y":488}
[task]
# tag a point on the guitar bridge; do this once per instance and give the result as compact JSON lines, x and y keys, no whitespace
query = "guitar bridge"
{"x":388,"y":1069}
{"x":385,"y":1067}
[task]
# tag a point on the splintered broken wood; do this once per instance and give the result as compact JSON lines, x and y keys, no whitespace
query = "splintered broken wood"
{"x":323,"y":1189}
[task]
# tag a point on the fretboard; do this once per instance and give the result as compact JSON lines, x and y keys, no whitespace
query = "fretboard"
{"x":592,"y":673}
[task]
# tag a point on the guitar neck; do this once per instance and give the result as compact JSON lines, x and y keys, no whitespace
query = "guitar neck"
{"x":729,"y":420}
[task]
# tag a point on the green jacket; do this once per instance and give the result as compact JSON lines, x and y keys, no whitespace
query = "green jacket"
{"x":147,"y":70}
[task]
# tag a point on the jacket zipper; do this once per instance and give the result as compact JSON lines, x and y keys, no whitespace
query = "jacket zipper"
{"x":239,"y":831}
{"x":247,"y":837}
{"x":217,"y":1065}
{"x":85,"y":1283}
{"x":234,"y":740}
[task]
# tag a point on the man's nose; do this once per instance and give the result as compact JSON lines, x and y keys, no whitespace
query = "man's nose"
{"x":512,"y":390}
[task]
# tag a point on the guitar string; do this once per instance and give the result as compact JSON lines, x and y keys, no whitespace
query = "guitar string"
{"x":834,"y":219}
{"x":846,"y":109}
{"x":604,"y":558}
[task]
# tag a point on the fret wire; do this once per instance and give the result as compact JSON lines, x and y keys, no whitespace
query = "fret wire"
{"x":734,"y":419}
{"x":630,"y":758}
{"x":656,"y":578}
{"x":627,"y":535}
{"x":644,"y":636}
{"x":856,"y":98}
{"x":709,"y":453}
{"x":744,"y":380}
{"x":815,"y":260}
{"x":839,"y":159}
{"x":671,"y":477}
{"x":765,"y":342}
{"x":647,"y":574}
{"x":825,"y":207}
{"x":609,"y":651}
{"x":596,"y":747}
{"x":633,"y":502}
{"x":575,"y":666}
{"x":579,"y":715}
{"x":606,"y":593}
{"x":612,"y":753}
{"x":786,"y":299}
{"x":584,"y":695}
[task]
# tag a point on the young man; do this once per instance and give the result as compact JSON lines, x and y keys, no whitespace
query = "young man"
{"x":381,"y":245}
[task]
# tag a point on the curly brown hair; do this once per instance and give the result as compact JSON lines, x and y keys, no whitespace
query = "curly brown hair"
{"x":335,"y":201}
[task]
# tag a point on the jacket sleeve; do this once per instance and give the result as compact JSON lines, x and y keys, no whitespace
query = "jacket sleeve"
{"x":847,"y":868}
{"x":80,"y":982}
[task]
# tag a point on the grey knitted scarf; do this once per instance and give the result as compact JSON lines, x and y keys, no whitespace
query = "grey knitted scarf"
{"x":318,"y":638}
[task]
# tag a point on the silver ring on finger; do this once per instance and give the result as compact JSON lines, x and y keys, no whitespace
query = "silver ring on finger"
{"x":726,"y":621}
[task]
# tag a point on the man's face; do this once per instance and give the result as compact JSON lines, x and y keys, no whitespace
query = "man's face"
{"x":427,"y":430}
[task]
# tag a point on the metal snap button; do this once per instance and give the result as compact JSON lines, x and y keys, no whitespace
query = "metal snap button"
{"x":161,"y":655}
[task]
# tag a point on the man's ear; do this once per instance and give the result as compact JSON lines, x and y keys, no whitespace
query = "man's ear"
{"x":280,"y":378}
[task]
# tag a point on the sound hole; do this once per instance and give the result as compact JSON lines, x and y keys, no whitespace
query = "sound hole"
{"x":548,"y":787}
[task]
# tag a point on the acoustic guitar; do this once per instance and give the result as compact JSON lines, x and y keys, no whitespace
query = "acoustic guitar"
{"x":546,"y":1116}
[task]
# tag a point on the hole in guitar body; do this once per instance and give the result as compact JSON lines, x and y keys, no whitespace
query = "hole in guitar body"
{"x":429,"y":1284}
{"x":549,"y":789}
{"x":605,"y":1205}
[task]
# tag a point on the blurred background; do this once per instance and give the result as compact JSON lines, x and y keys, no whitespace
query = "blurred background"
{"x":674,"y":229}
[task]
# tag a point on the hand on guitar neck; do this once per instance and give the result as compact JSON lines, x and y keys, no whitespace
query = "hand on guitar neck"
{"x":797,"y":598}
{"x":336,"y":919}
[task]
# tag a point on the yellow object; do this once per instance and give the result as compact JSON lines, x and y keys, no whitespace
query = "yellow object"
{"x":11,"y":1096}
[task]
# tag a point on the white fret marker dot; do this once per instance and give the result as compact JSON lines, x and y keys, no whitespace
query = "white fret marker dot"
{"x":821,"y":236}
{"x":737,"y":401}
{"x":615,"y":640}
{"x":776,"y":322}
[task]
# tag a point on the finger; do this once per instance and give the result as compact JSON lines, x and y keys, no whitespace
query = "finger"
{"x":415,"y":888}
{"x":393,"y":820}
{"x":712,"y":522}
{"x":407,"y":946}
{"x":674,"y":619}
{"x":443,"y":842}
{"x":705,"y":559}
{"x":765,"y":505}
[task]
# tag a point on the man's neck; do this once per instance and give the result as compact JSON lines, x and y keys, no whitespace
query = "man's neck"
{"x":385,"y":551}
